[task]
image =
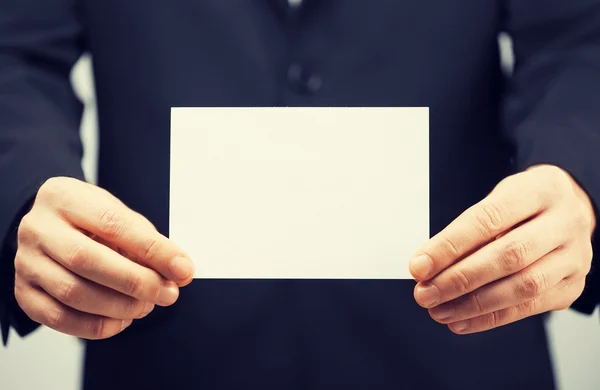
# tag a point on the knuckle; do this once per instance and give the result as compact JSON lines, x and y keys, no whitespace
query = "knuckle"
{"x":78,"y":257}
{"x":490,"y":218}
{"x":21,"y":267}
{"x":133,"y":285}
{"x":53,"y":191}
{"x":528,"y":308}
{"x":132,"y":308}
{"x":587,"y":255}
{"x":69,"y":292}
{"x":491,"y":320}
{"x":478,"y":302}
{"x":150,"y":247}
{"x":27,"y":232}
{"x":460,"y":282}
{"x":515,"y":255}
{"x":557,"y":179}
{"x":54,"y":318}
{"x":20,"y":294}
{"x":531,"y":285}
{"x":98,"y":328}
{"x":508,"y":181}
{"x":112,"y":225}
{"x":450,"y":248}
{"x":580,"y":222}
{"x":567,"y":282}
{"x":544,"y":197}
{"x":553,"y":185}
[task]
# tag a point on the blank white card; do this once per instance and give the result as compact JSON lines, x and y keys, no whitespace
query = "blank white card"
{"x":300,"y":192}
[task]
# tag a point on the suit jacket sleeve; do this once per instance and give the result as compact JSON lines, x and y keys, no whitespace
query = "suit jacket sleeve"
{"x":39,"y":121}
{"x":551,"y":112}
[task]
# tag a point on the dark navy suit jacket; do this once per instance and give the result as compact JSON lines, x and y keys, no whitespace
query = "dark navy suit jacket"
{"x":150,"y":55}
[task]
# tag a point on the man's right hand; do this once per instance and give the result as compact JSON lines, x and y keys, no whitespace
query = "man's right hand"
{"x":87,"y":265}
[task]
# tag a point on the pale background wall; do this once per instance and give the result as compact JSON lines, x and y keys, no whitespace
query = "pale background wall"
{"x":50,"y":361}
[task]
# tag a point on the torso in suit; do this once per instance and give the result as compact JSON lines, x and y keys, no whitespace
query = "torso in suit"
{"x":151,"y":55}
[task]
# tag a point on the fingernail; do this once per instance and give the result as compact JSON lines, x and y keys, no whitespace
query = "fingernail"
{"x":181,"y":267}
{"x":125,"y":324}
{"x":459,"y":326}
{"x":427,"y":294}
{"x":442,"y":313}
{"x":148,"y":307}
{"x":421,"y":266}
{"x":168,"y":294}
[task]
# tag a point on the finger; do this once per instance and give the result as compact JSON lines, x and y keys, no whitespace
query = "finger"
{"x":512,"y":253}
{"x":513,"y":201}
{"x":97,"y":211}
{"x":85,"y":295}
{"x":93,"y":261}
{"x":44,"y":309}
{"x":554,"y":270}
{"x":556,"y":299}
{"x":125,"y":254}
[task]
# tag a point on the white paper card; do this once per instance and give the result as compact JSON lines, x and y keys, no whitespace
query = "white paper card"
{"x":300,"y":192}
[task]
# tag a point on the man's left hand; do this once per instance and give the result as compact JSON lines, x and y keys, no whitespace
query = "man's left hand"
{"x":523,"y":250}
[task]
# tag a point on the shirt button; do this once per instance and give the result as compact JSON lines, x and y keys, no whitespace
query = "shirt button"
{"x":302,"y":80}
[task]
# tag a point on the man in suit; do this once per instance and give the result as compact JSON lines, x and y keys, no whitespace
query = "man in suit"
{"x":514,"y":188}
